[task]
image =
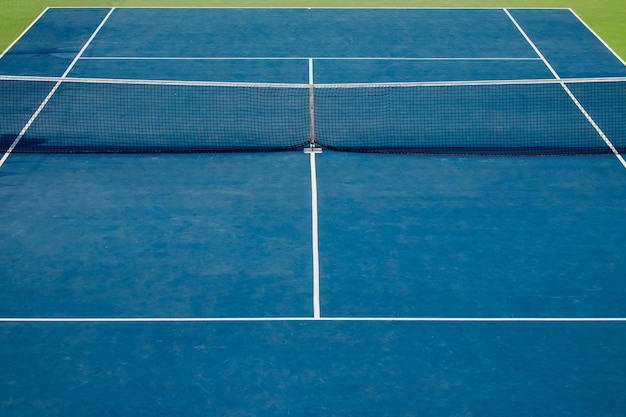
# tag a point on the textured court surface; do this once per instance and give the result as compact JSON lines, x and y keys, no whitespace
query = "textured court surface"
{"x":159,"y":284}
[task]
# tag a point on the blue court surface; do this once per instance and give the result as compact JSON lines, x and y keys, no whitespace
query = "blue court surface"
{"x":300,"y":283}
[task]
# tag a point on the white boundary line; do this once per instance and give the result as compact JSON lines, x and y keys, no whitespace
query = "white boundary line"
{"x":191,"y":58}
{"x":330,"y":319}
{"x":569,"y":92}
{"x":310,"y":71}
{"x":314,"y":215}
{"x":315,"y":240}
{"x":328,"y":58}
{"x":54,"y":89}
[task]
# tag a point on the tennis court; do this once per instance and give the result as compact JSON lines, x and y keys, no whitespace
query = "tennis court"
{"x":255,"y":212}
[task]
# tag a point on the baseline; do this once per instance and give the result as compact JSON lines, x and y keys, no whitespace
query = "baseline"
{"x":330,"y":319}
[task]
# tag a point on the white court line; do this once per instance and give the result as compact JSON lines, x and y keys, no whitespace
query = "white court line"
{"x":568,"y":91}
{"x":315,"y":240}
{"x":532,"y":44}
{"x":314,"y":217}
{"x":260,"y":58}
{"x":305,"y":319}
{"x":311,"y":72}
{"x":54,"y":89}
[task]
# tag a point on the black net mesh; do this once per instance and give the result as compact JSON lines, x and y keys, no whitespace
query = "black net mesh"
{"x":482,"y":118}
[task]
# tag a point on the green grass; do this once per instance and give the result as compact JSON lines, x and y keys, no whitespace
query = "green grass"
{"x":606,"y":17}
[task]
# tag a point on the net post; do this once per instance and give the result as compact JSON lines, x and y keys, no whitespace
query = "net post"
{"x":312,"y":146}
{"x":312,"y":115}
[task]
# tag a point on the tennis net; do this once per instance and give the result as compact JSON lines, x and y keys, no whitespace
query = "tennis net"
{"x":532,"y":117}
